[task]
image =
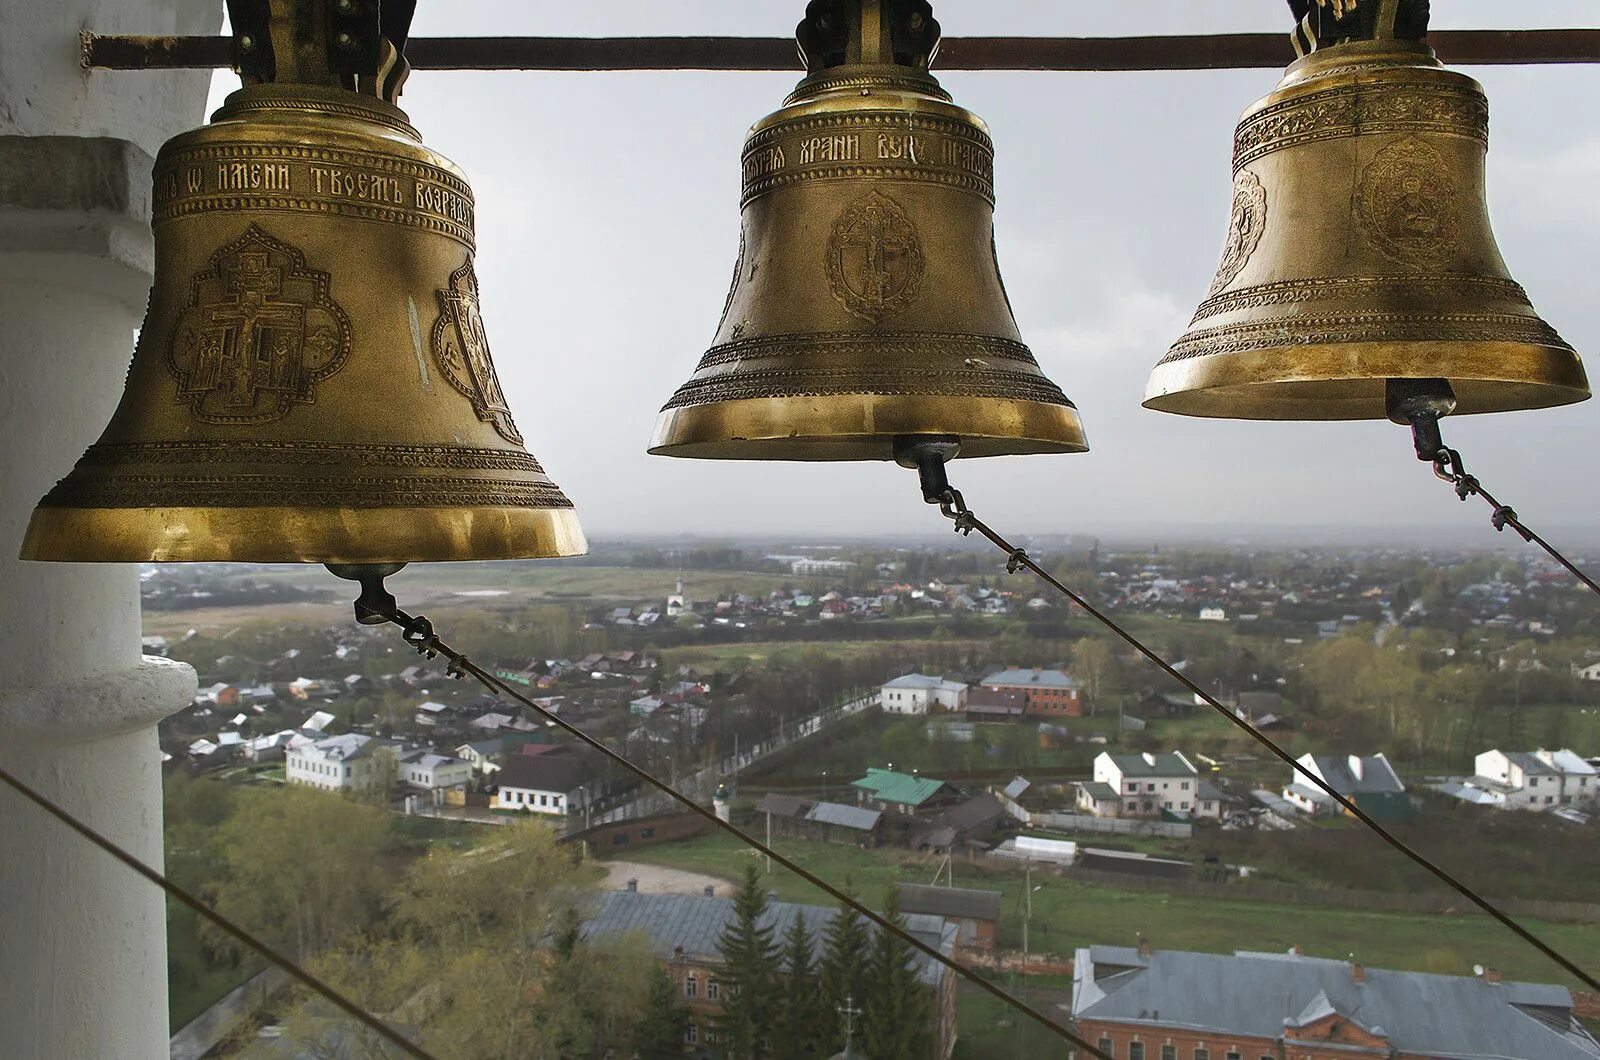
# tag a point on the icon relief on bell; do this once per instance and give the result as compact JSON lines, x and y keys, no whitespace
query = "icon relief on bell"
{"x":1246,"y":222}
{"x":461,"y":347}
{"x":1408,"y":205}
{"x":875,"y":262}
{"x":260,"y":330}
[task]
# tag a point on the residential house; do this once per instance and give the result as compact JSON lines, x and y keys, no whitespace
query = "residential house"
{"x":1213,"y":614}
{"x":1166,"y":704}
{"x":338,"y":763}
{"x":1368,"y":781}
{"x":428,"y":770}
{"x":919,"y":693}
{"x":996,"y":704}
{"x":832,"y":822}
{"x":682,"y":932}
{"x":904,"y":792}
{"x":969,"y":822}
{"x":1047,"y":693}
{"x":553,"y":783}
{"x":433,"y":713}
{"x":220,"y":694}
{"x":1147,"y":785}
{"x":976,"y":913}
{"x":1147,"y":1004}
{"x":1536,"y":780}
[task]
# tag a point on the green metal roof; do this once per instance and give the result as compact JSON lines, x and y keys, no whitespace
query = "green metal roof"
{"x":903,"y":788}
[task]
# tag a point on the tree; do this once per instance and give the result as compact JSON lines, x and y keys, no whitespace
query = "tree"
{"x":842,"y":973}
{"x":302,"y":867}
{"x":659,"y":1035}
{"x":896,"y":1011}
{"x":799,"y":1012}
{"x":1093,"y":661}
{"x":748,"y":975}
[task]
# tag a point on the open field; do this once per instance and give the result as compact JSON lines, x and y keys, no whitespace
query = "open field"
{"x":1068,"y":914}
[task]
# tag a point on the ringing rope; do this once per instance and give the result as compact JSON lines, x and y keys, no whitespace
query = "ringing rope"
{"x":418,"y":632}
{"x":966,"y":522}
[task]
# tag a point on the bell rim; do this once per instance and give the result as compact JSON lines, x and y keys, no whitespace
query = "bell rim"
{"x":1345,"y":381}
{"x":330,"y":535}
{"x":863,"y":427}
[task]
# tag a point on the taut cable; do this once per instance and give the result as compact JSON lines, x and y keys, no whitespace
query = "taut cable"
{"x":227,"y":925}
{"x":936,"y":489}
{"x":376,"y":605}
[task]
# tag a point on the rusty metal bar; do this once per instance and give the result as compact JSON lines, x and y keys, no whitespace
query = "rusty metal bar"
{"x":1233,"y":51}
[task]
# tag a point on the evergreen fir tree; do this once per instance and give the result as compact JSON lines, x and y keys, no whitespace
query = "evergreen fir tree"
{"x":842,"y":972}
{"x":897,"y":1009}
{"x":659,"y":1035}
{"x":748,"y":975}
{"x":799,"y":1014}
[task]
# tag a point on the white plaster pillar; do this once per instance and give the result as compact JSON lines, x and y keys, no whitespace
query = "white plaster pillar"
{"x":82,"y":939}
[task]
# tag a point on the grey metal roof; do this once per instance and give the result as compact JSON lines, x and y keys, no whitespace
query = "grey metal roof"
{"x":1017,"y":787}
{"x":1262,"y":994}
{"x":780,"y":805}
{"x":961,"y":903}
{"x":668,"y":922}
{"x":837,"y":813}
{"x":1098,"y":790}
{"x":1031,"y":679}
{"x":1377,"y":775}
{"x":1531,"y":763}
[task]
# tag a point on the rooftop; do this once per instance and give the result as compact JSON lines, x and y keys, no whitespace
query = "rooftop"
{"x":1267,"y":995}
{"x":692,"y":923}
{"x":1031,"y":679}
{"x":959,"y":903}
{"x":903,"y":788}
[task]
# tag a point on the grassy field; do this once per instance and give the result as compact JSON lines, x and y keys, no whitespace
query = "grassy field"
{"x":1068,"y":914}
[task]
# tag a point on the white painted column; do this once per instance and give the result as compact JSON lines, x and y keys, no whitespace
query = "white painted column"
{"x":82,"y":939}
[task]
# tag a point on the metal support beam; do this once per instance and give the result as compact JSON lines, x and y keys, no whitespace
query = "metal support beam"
{"x":1233,"y":51}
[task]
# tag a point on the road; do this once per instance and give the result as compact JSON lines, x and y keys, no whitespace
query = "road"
{"x":700,"y":784}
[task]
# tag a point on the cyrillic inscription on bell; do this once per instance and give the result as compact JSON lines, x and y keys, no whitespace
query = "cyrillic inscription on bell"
{"x":313,"y":379}
{"x":1359,"y":248}
{"x":866,"y":302}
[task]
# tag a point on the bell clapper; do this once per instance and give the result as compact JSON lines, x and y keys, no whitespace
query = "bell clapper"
{"x":1420,"y":404}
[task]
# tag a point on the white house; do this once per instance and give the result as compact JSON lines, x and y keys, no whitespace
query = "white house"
{"x":337,"y":763}
{"x":428,"y":770}
{"x":1144,"y":785}
{"x":1589,"y":673}
{"x":1213,"y":614}
{"x":554,"y":783}
{"x":1367,"y":780}
{"x":1536,"y":780}
{"x":918,"y":693}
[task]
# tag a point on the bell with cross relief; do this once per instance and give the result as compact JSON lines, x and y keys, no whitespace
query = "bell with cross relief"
{"x":866,"y":302}
{"x":313,"y":380}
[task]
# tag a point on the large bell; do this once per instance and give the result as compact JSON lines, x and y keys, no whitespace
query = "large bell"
{"x":312,"y":381}
{"x":866,"y":301}
{"x":1359,"y":251}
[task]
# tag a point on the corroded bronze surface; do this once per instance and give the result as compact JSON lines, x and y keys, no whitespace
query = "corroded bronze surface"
{"x":866,"y":301}
{"x":312,"y":381}
{"x":1358,"y":250}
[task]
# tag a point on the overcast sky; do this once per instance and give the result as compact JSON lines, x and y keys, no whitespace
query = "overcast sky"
{"x":608,"y":223}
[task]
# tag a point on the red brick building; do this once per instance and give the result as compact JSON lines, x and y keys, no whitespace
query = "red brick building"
{"x":1147,"y":1004}
{"x":1046,"y":693}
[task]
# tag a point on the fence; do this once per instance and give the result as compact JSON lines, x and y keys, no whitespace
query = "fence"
{"x":1076,"y":822}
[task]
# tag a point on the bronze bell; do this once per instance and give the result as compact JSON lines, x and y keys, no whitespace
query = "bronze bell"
{"x":312,"y":381}
{"x":1359,"y":249}
{"x":866,"y":301}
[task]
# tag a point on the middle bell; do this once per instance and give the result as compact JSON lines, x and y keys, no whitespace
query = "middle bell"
{"x":866,"y":302}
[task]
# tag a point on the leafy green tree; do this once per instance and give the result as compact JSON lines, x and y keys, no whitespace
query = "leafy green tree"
{"x":659,"y":1035}
{"x":800,"y":1010}
{"x":896,"y":1011}
{"x":748,"y":976}
{"x":842,"y":972}
{"x":302,"y":867}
